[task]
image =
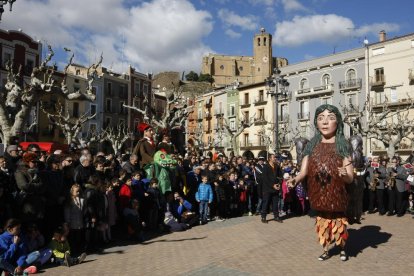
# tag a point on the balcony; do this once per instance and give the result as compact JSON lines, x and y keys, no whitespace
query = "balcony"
{"x":260,"y":120}
{"x":250,"y":145}
{"x":350,"y":84}
{"x":231,"y":114}
{"x":380,"y":102}
{"x":323,"y":88}
{"x":377,"y":81}
{"x":260,"y":101}
{"x":244,"y":104}
{"x":303,"y":91}
{"x":350,"y":110}
{"x":218,"y":112}
{"x":303,"y":116}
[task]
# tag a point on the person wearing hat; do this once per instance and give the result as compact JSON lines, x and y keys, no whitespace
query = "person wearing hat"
{"x":145,"y":148}
{"x":12,"y":157}
{"x":32,"y":189}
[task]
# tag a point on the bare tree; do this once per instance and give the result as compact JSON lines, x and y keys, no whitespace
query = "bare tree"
{"x":388,"y":124}
{"x":19,"y":97}
{"x":70,"y":126}
{"x":117,"y":136}
{"x":233,"y":133}
{"x":175,"y":114}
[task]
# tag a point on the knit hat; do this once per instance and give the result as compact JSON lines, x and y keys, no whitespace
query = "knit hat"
{"x":11,"y":148}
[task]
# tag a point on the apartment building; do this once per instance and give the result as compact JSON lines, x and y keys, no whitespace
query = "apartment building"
{"x":390,"y":83}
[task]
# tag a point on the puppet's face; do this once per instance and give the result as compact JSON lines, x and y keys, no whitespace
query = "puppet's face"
{"x":327,"y":123}
{"x":163,"y":159}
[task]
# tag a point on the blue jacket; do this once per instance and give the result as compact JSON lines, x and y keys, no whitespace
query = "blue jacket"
{"x":185,"y":206}
{"x":204,"y":193}
{"x":11,"y":252}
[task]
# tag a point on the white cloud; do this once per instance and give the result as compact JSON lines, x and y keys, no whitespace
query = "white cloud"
{"x":322,"y":28}
{"x":262,"y":2}
{"x":293,"y":5}
{"x":232,"y":33}
{"x":229,"y":18}
{"x":152,"y":36}
{"x":302,"y":30}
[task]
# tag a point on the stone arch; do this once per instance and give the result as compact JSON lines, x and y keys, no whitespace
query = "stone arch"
{"x":263,"y":153}
{"x":248,"y":154}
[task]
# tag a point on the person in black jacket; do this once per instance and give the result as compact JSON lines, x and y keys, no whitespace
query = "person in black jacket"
{"x":258,"y":176}
{"x":271,"y":188}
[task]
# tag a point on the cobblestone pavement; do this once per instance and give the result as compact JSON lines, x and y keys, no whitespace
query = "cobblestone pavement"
{"x":245,"y":246}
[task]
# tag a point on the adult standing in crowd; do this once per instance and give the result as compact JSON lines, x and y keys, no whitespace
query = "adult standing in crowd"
{"x":131,"y":165}
{"x":258,"y":176}
{"x":83,"y":171}
{"x":271,"y":188}
{"x":397,"y":176}
{"x":375,"y":177}
{"x":328,"y":168}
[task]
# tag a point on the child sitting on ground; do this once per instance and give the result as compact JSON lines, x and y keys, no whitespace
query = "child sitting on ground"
{"x":61,"y":249}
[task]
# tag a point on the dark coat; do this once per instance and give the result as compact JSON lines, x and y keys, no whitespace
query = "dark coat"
{"x":270,"y":177}
{"x":82,"y":174}
{"x":145,"y":152}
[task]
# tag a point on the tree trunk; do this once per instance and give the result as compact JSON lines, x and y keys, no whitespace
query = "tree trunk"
{"x":391,"y":149}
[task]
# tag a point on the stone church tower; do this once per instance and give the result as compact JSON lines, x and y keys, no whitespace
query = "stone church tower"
{"x":262,"y":55}
{"x":230,"y":70}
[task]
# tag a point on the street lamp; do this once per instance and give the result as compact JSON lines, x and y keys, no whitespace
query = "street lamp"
{"x":279,"y":85}
{"x":4,"y":2}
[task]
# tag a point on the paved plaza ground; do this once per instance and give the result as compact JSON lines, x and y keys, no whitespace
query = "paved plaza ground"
{"x":245,"y":246}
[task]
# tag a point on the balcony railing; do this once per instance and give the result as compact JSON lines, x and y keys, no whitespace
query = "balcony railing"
{"x":245,"y":144}
{"x":244,"y":104}
{"x":352,"y":109}
{"x":218,"y":112}
{"x":378,"y":80}
{"x":231,"y":114}
{"x":260,"y":100}
{"x":303,"y":115}
{"x":350,"y":84}
{"x":303,"y":91}
{"x":323,"y":88}
{"x":260,"y":120}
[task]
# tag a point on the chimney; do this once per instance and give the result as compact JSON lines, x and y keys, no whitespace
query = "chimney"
{"x":382,"y":36}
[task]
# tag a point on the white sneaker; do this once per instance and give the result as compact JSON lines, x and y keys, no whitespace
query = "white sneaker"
{"x":343,"y":256}
{"x":250,"y":214}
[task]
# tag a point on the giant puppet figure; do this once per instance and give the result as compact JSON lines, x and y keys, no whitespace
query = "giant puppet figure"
{"x":156,"y":164}
{"x":328,"y":169}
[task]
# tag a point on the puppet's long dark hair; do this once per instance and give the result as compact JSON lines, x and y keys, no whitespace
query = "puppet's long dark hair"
{"x":342,"y":145}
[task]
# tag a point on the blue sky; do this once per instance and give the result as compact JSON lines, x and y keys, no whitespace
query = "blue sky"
{"x":173,"y":35}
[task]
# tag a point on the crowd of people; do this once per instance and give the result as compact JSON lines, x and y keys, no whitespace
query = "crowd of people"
{"x":55,"y":208}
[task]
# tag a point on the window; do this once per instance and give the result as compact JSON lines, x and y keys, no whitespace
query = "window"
{"x":246,"y":98}
{"x":351,"y":101}
{"x":137,"y":88}
{"x":241,"y":68}
{"x":76,"y":87}
{"x":303,"y":84}
{"x":393,"y":95}
{"x":94,"y":89}
{"x":107,"y":122}
{"x":379,"y":75}
{"x":222,"y":67}
{"x":75,"y":110}
{"x":92,"y":128}
{"x":261,"y":114}
{"x":304,"y":131}
{"x":122,"y":93}
{"x":261,"y":96}
{"x":109,"y":88}
{"x":232,"y":110}
{"x":258,"y":41}
{"x":29,"y":66}
{"x":146,"y":89}
{"x":264,"y":41}
{"x":246,"y":116}
{"x":246,"y":140}
{"x":326,"y":80}
{"x":93,"y":109}
{"x":379,"y":97}
{"x":78,"y":72}
{"x":108,"y":105}
{"x":304,"y":110}
{"x":350,"y":74}
{"x":6,"y":58}
{"x":233,"y":125}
